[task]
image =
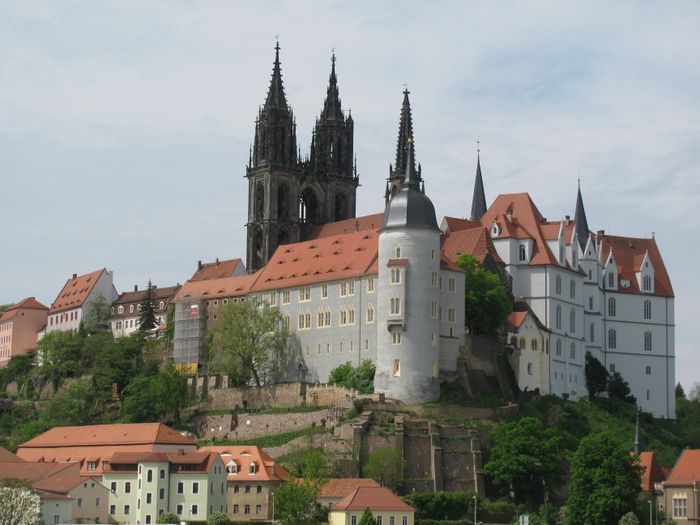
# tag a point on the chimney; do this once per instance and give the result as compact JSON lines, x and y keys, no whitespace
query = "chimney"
{"x":199,"y":265}
{"x":568,"y":220}
{"x":136,"y":287}
{"x":217,"y":261}
{"x":601,"y":232}
{"x":75,"y":276}
{"x":509,"y":213}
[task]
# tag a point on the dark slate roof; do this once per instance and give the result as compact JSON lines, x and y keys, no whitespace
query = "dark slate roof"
{"x":479,"y":197}
{"x":581,"y":222}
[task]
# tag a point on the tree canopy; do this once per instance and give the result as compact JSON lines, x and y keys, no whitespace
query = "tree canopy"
{"x":361,"y":378}
{"x":295,"y":502}
{"x":147,"y":319}
{"x":620,"y":389}
{"x":485,"y":299}
{"x":384,"y":466}
{"x":249,"y":343}
{"x":605,"y":481}
{"x":97,"y":315}
{"x":367,"y":518}
{"x":525,"y":458}
{"x":19,"y":505}
{"x":596,"y":376}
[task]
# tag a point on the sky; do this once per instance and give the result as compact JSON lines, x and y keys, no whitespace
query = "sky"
{"x":125,"y":125}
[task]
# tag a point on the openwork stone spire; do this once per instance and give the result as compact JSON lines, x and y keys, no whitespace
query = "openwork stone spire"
{"x":403,"y":155}
{"x":331,"y":107}
{"x":275,"y":95}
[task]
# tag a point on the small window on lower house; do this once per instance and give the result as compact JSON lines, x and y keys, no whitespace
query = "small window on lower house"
{"x":529,"y":368}
{"x":397,"y":368}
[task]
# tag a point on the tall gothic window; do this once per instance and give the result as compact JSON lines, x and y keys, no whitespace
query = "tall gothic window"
{"x":611,"y":280}
{"x":646,"y":283}
{"x":521,"y":253}
{"x":647,"y":341}
{"x":612,"y":338}
{"x":572,"y":320}
{"x":572,"y":289}
{"x":558,"y":317}
{"x":647,"y":309}
{"x":557,"y":285}
{"x":612,"y":307}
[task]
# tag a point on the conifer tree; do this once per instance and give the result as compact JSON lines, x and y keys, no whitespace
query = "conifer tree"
{"x":367,"y":518}
{"x":147,"y":320}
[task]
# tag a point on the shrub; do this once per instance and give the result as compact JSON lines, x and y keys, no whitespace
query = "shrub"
{"x":218,"y":518}
{"x":168,"y":517}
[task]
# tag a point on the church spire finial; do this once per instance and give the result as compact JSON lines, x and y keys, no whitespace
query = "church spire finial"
{"x":582,"y":231}
{"x":479,"y":196}
{"x":404,"y":156}
{"x":275,"y":96}
{"x":332,"y":109}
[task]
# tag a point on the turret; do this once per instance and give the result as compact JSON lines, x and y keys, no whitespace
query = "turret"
{"x":408,"y":300}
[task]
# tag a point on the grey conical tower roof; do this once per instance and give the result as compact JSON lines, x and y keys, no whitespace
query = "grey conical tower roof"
{"x":331,"y":107}
{"x":275,"y":95}
{"x":581,"y":221}
{"x":479,"y":197}
{"x":404,"y":154}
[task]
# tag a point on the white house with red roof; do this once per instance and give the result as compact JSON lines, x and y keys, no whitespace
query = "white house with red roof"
{"x":529,"y":339}
{"x":386,"y":507}
{"x":77,"y":295}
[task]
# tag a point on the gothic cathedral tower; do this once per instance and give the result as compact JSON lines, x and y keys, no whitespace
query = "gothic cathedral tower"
{"x":273,"y":172}
{"x":287,"y":197}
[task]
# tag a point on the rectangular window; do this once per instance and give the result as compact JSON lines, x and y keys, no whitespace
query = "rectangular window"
{"x":397,"y":368}
{"x":149,"y":497}
{"x":195,"y":510}
{"x":353,"y":520}
{"x":369,"y":317}
{"x":434,"y":309}
{"x":161,"y":494}
{"x":112,"y":509}
{"x":395,"y":276}
{"x":395,"y":338}
{"x":148,"y":519}
{"x":246,"y":509}
{"x":285,"y":297}
{"x":80,"y":502}
{"x":451,"y":315}
{"x":113,"y":486}
{"x":304,"y":294}
{"x":127,"y":487}
{"x":258,"y":489}
{"x":180,"y":487}
{"x":324,"y":291}
{"x":370,"y":285}
{"x":127,"y":509}
{"x":247,"y":489}
{"x":395,"y":306}
{"x":235,"y":509}
{"x":258,"y":509}
{"x":178,"y":510}
{"x":434,"y":279}
{"x":451,"y":286}
{"x":236,"y":489}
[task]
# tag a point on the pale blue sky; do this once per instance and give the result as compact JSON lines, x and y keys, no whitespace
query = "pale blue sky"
{"x":125,"y":125}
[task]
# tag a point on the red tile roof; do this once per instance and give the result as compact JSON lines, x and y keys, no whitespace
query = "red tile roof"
{"x":629,"y":253}
{"x":686,"y":469}
{"x":30,"y":303}
{"x":454,"y":224}
{"x":373,"y":498}
{"x":515,"y":320}
{"x":526,"y":222}
{"x":521,"y":309}
{"x":75,"y":291}
{"x":216,"y":288}
{"x":243,"y":455}
{"x":341,"y":487}
{"x":8,"y":457}
{"x":652,"y":472}
{"x":217,"y":269}
{"x":367,"y":222}
{"x":318,"y":260}
{"x":205,"y":460}
{"x":139,"y":295}
{"x":32,"y":471}
{"x":98,"y":435}
{"x":474,"y":241}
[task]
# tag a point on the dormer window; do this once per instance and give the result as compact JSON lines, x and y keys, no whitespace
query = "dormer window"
{"x":646,"y":283}
{"x":253,"y":468}
{"x":161,"y":305}
{"x":495,"y":230}
{"x":397,"y":252}
{"x":611,"y":280}
{"x":231,"y":467}
{"x":522,"y":254}
{"x":120,"y":310}
{"x":131,"y":308}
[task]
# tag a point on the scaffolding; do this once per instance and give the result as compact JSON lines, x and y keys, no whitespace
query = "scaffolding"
{"x":190,"y":327}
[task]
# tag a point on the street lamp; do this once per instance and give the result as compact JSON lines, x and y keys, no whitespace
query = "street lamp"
{"x":474,"y":509}
{"x":273,"y":507}
{"x":651,"y":522}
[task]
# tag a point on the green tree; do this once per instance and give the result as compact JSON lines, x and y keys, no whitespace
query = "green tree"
{"x":218,"y":518}
{"x":688,"y":413}
{"x":295,"y":502}
{"x":74,"y":406}
{"x":525,"y":458}
{"x":367,"y":518}
{"x":60,"y":354}
{"x":153,"y":398}
{"x":596,"y":376}
{"x":620,"y":389}
{"x":629,"y":519}
{"x":679,"y":390}
{"x":485,"y":299}
{"x":147,"y":319}
{"x":4,"y":307}
{"x":97,"y":315}
{"x":169,"y":517}
{"x":360,"y":378}
{"x":249,"y":343}
{"x":385,"y":466}
{"x":605,"y":481}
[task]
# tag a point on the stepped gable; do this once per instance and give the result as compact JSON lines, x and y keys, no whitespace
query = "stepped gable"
{"x":243,"y":456}
{"x":525,"y":222}
{"x":629,"y":254}
{"x":652,"y":473}
{"x":320,"y":260}
{"x":366,"y":222}
{"x":237,"y":286}
{"x":474,"y":241}
{"x":686,"y":470}
{"x":75,"y":291}
{"x":217,"y":269}
{"x":373,"y":498}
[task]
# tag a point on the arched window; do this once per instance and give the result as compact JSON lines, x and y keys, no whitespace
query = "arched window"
{"x":557,"y":285}
{"x":611,"y":280}
{"x":161,"y":305}
{"x":523,"y":344}
{"x":648,"y":370}
{"x":283,"y":202}
{"x":646,"y":282}
{"x":120,"y":309}
{"x":259,"y":200}
{"x":308,"y":206}
{"x":521,"y":253}
{"x":647,"y":341}
{"x":253,"y":468}
{"x":612,"y":338}
{"x":572,"y":351}
{"x":612,"y":307}
{"x":572,"y":320}
{"x":647,"y":309}
{"x":533,"y":344}
{"x":572,"y":289}
{"x":558,"y":317}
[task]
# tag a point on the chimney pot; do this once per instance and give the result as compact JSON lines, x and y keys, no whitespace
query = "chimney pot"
{"x":75,"y":276}
{"x":136,"y":287}
{"x":601,"y":232}
{"x":199,"y":265}
{"x":217,"y":261}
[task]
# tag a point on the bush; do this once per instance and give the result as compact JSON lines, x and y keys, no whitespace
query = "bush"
{"x":218,"y":518}
{"x":629,"y":519}
{"x":360,"y":378}
{"x":168,"y":517}
{"x":442,"y":505}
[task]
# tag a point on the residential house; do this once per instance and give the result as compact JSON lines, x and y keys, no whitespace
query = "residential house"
{"x":144,"y":485}
{"x":93,"y":445}
{"x":126,"y":310}
{"x":252,"y":477}
{"x":529,"y":338}
{"x":681,"y":490}
{"x":77,"y":295}
{"x":386,"y":508}
{"x":19,"y":326}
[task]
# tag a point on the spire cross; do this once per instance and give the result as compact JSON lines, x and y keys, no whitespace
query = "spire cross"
{"x":405,"y":88}
{"x":478,"y":147}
